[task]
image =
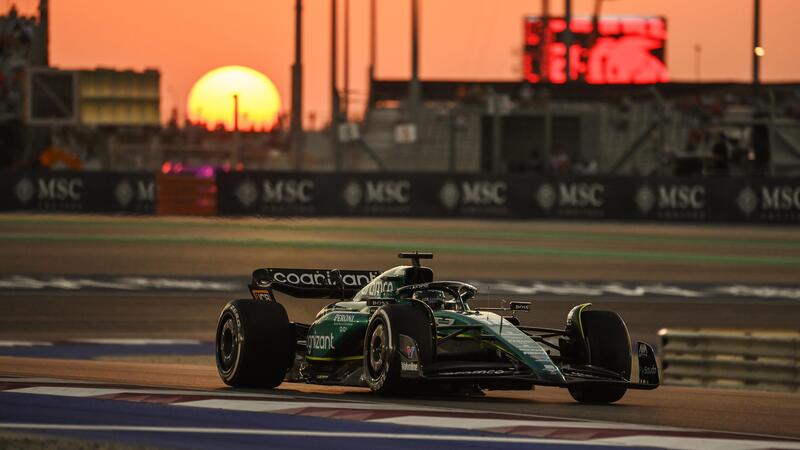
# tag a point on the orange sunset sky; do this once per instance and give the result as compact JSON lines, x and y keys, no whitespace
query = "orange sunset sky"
{"x":461,"y":39}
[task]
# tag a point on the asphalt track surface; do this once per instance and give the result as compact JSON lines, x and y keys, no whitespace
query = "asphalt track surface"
{"x":757,"y":413}
{"x":59,"y":315}
{"x":33,"y":244}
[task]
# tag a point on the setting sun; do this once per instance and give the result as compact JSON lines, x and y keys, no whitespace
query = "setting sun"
{"x":211,"y":100}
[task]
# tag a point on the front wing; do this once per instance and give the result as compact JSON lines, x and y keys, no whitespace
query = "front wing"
{"x":501,"y":373}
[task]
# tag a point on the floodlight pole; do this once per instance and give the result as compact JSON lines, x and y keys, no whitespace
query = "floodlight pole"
{"x":567,"y":38}
{"x":236,"y":112}
{"x":414,"y":93}
{"x":756,"y":50}
{"x":372,"y":45}
{"x":698,"y":51}
{"x":296,"y":131}
{"x":334,"y":94}
{"x":346,"y":107}
{"x":545,"y":68}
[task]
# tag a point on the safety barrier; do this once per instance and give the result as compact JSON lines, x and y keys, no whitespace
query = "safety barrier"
{"x":392,"y":194}
{"x":763,"y":360}
{"x":73,"y":191}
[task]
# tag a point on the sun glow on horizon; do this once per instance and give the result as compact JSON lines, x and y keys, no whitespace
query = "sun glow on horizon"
{"x":211,"y":101}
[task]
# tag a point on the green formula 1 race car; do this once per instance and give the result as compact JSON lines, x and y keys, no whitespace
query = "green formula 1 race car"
{"x":401,"y":332}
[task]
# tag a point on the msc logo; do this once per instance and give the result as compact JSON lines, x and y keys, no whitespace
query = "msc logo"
{"x":247,"y":193}
{"x":25,"y":190}
{"x":780,"y":198}
{"x":285,"y":192}
{"x":380,"y":192}
{"x":288,"y":191}
{"x":49,"y":189}
{"x":570,"y":195}
{"x":474,"y":193}
{"x":773,"y":199}
{"x":673,"y":196}
{"x":747,"y":201}
{"x":124,"y":192}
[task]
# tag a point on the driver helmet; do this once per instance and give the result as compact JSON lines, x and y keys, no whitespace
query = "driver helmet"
{"x":434,"y":299}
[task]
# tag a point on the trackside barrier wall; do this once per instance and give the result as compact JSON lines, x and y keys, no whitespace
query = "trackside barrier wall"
{"x":756,"y":200}
{"x":763,"y":360}
{"x":68,"y":191}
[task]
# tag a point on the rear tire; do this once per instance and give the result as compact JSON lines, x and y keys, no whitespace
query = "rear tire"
{"x":610,"y":348}
{"x":381,"y":358}
{"x":255,"y":344}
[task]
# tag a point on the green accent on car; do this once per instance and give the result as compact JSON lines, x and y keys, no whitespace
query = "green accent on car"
{"x":581,"y":307}
{"x":346,"y":358}
{"x":339,"y":330}
{"x":337,"y":335}
{"x":513,"y":341}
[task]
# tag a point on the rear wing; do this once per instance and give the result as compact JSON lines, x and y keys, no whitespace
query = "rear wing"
{"x":309,"y":283}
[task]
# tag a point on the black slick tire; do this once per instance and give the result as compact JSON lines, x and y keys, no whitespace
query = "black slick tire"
{"x":381,"y":358}
{"x":609,"y":348}
{"x":255,"y":344}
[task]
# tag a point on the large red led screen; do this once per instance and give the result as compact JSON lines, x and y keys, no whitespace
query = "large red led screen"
{"x":610,"y":50}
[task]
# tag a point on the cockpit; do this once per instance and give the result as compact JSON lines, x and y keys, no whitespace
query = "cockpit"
{"x":437,"y":300}
{"x":440,"y":295}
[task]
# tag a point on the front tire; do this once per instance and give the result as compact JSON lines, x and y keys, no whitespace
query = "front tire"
{"x":255,"y":344}
{"x":609,"y":348}
{"x":381,"y":358}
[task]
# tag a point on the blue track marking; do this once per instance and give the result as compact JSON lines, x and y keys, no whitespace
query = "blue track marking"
{"x":181,"y":427}
{"x":69,"y":350}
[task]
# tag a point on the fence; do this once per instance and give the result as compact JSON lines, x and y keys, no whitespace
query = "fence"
{"x":726,"y":358}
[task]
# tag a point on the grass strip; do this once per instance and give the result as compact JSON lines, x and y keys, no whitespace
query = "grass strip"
{"x":629,"y":255}
{"x":583,"y":236}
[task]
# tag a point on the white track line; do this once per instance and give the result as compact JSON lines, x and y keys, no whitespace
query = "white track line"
{"x":678,"y":443}
{"x":120,"y":341}
{"x":37,"y":380}
{"x":478,"y":423}
{"x":673,"y":443}
{"x":69,"y":391}
{"x":273,"y":406}
{"x":689,"y":443}
{"x":298,"y":433}
{"x":24,"y":343}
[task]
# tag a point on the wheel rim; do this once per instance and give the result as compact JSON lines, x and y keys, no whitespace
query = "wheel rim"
{"x":377,"y":349}
{"x":228,"y":341}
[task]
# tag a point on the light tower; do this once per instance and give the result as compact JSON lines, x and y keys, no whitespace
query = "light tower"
{"x":40,"y":54}
{"x":414,"y":92}
{"x":297,"y":88}
{"x":758,"y":50}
